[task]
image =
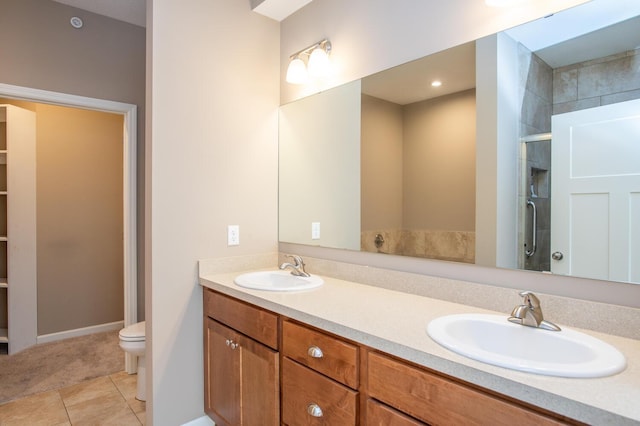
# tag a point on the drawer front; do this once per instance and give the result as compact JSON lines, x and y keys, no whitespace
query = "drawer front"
{"x":303,"y":390}
{"x":437,"y":400}
{"x":380,"y":415}
{"x":251,"y":320}
{"x":324,"y":353}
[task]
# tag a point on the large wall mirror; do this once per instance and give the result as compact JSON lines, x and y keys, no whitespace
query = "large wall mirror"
{"x":520,"y":150}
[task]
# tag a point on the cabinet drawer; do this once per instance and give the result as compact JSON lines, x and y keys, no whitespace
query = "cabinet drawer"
{"x":302,"y":388}
{"x":324,"y":353}
{"x":437,"y":400}
{"x":250,"y":320}
{"x":380,"y":415}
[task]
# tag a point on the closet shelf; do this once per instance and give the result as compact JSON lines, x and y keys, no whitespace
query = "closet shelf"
{"x":3,"y":282}
{"x":4,"y":335}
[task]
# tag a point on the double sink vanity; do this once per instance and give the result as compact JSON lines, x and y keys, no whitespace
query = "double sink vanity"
{"x":284,"y":348}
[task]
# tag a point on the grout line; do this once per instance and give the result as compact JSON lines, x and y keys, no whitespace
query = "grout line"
{"x":64,"y":404}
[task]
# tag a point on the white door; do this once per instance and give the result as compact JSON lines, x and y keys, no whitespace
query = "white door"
{"x":595,"y":192}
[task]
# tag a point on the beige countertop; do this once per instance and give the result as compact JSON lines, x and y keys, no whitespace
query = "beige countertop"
{"x":395,"y":322}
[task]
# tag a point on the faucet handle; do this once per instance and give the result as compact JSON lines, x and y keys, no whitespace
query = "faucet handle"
{"x":530,"y":299}
{"x":297,"y":260}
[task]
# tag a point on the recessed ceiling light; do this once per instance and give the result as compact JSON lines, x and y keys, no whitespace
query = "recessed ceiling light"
{"x":436,"y":83}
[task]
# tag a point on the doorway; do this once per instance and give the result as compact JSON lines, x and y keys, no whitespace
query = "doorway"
{"x":129,"y":249}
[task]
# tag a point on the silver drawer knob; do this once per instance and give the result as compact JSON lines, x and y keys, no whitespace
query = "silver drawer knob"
{"x":314,"y":410}
{"x":315,"y":352}
{"x":228,"y":342}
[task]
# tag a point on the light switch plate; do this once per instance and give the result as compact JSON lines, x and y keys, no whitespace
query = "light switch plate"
{"x":315,"y":230}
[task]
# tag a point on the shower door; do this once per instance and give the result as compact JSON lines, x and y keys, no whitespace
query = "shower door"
{"x":595,"y":215}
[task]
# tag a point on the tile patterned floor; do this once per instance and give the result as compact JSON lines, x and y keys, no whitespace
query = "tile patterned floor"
{"x":108,"y":400}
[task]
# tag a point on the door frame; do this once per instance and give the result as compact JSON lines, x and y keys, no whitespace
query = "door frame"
{"x":129,"y":178}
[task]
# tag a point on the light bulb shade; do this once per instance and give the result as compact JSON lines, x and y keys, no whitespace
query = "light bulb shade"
{"x":318,"y":63}
{"x":297,"y":72}
{"x":503,"y":3}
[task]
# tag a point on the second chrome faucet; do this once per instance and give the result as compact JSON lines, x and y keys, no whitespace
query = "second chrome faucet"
{"x":530,"y":313}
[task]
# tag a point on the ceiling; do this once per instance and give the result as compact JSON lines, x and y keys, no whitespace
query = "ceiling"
{"x":131,"y":11}
{"x":134,"y":11}
{"x":568,"y":37}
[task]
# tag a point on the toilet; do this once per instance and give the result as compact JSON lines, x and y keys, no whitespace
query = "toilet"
{"x":132,"y":341}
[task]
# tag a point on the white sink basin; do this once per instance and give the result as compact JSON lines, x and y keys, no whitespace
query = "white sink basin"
{"x":494,"y":340}
{"x":277,"y":281}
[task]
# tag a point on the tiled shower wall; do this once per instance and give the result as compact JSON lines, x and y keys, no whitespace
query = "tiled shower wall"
{"x":536,"y":91}
{"x":602,"y":81}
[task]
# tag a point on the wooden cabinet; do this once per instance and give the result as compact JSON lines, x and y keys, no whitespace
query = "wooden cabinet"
{"x":241,"y":374}
{"x":309,"y":398}
{"x":438,"y":400}
{"x":321,"y":352}
{"x":378,"y":414}
{"x":319,"y":378}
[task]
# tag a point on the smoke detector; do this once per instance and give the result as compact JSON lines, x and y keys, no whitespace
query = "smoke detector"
{"x":76,"y":22}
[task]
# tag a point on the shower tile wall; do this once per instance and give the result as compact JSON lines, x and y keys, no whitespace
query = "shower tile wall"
{"x":536,"y":91}
{"x":597,"y":82}
{"x":539,"y":191}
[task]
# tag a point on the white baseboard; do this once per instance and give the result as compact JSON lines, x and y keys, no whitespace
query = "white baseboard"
{"x":53,"y":337}
{"x":201,"y":421}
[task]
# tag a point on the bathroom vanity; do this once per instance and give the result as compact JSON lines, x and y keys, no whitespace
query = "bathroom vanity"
{"x":348,"y":354}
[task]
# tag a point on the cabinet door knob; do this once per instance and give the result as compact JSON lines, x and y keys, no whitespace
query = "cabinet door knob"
{"x":314,"y":410}
{"x":315,"y":352}
{"x":234,"y":345}
{"x":228,"y":342}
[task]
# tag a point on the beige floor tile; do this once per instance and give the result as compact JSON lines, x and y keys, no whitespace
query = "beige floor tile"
{"x":105,"y":410}
{"x":142,"y":417}
{"x":127,"y":384}
{"x":41,"y":409}
{"x":86,"y":391}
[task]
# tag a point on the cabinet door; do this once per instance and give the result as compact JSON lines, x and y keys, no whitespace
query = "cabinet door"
{"x":241,"y":378}
{"x":222,"y":374}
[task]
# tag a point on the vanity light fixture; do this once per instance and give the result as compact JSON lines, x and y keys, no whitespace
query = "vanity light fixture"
{"x":317,"y":65}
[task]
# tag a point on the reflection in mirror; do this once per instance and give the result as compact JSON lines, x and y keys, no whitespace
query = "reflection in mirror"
{"x":457,"y":172}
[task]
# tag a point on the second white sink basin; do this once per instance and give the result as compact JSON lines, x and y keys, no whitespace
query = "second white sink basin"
{"x":494,"y":340}
{"x":277,"y":281}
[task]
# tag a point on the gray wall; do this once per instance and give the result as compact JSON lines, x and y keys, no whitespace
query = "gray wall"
{"x":598,"y":82}
{"x":105,"y":59}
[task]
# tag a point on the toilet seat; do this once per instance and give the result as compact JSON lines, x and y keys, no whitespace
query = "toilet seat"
{"x":133,"y":333}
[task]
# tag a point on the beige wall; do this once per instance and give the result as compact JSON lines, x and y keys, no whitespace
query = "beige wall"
{"x":439,"y":163}
{"x":381,"y":163}
{"x":319,"y":175}
{"x":79,"y":217}
{"x":418,"y":163}
{"x":105,"y":60}
{"x":213,"y":151}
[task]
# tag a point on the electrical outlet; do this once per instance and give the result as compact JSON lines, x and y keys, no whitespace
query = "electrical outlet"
{"x":233,"y":235}
{"x":315,"y":230}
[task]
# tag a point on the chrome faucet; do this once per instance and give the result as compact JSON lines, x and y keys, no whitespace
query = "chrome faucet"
{"x":297,"y":268}
{"x":530,"y":313}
